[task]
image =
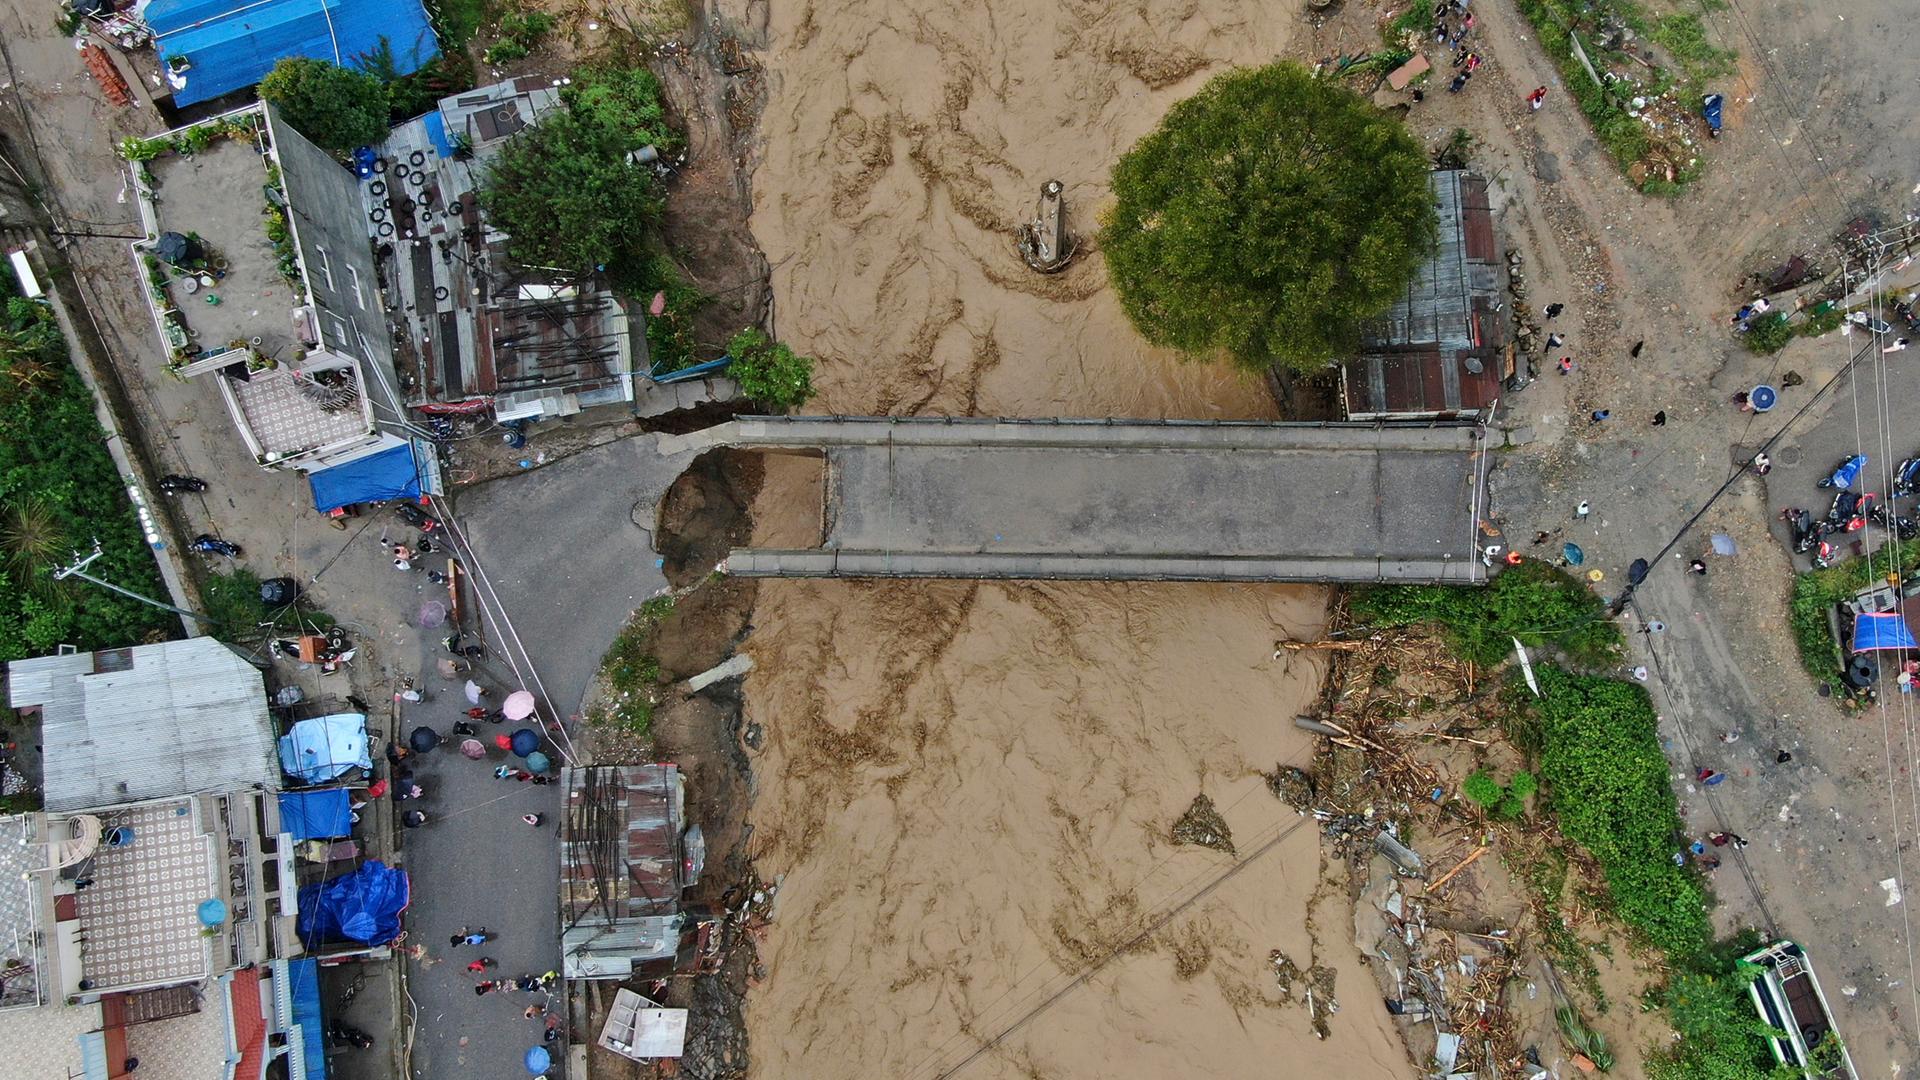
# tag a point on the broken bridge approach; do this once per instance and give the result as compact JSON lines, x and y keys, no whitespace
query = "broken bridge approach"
{"x":1130,"y":500}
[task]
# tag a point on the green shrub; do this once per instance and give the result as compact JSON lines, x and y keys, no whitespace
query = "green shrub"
{"x":520,"y":32}
{"x":1511,"y":808}
{"x":627,"y":100}
{"x":670,"y":341}
{"x":770,"y":373}
{"x":1533,"y":601}
{"x":1607,"y":777}
{"x":1823,"y":319}
{"x":1769,"y":333}
{"x":1523,"y":785}
{"x":1484,"y":789}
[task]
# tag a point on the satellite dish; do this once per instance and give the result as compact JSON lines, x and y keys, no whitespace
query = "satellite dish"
{"x":1473,"y":365}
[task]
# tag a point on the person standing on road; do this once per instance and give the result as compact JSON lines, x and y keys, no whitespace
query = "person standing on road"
{"x":481,"y":964}
{"x":476,"y":937}
{"x":1697,"y":567}
{"x":1635,"y":351}
{"x":1660,"y":418}
{"x":1553,"y":310}
{"x":1537,"y":98}
{"x":1565,"y":365}
{"x":1600,"y":415}
{"x":1580,"y":512}
{"x":533,"y":819}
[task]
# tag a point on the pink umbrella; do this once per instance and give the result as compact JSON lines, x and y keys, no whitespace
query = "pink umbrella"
{"x":474,"y":749}
{"x":518,"y":706}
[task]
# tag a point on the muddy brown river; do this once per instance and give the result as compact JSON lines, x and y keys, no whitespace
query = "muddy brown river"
{"x":967,"y":789}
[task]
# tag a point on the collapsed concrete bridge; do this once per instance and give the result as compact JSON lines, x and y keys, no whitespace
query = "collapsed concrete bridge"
{"x":1130,"y":500}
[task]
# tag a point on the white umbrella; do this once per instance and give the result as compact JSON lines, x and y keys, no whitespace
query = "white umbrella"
{"x":518,"y":706}
{"x":474,"y":692}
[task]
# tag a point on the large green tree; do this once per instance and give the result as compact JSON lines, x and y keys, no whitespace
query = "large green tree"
{"x":565,"y":193}
{"x":338,"y":108}
{"x":1266,"y":217}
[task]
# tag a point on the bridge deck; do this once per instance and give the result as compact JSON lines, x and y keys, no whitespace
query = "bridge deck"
{"x":1098,"y":499}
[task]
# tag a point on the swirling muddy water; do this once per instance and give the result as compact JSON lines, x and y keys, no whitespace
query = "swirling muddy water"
{"x":967,"y":789}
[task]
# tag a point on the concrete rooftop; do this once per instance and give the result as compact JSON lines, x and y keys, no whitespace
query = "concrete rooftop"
{"x":218,"y":193}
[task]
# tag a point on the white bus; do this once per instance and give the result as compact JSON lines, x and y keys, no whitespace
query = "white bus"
{"x":1788,"y":998}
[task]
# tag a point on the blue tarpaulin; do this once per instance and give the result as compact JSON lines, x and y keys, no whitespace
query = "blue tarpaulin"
{"x":229,"y":45}
{"x":1881,"y":630}
{"x":437,"y":134}
{"x":316,"y":815}
{"x":322,"y":748}
{"x":303,"y":977}
{"x":363,"y":906}
{"x":388,"y":474}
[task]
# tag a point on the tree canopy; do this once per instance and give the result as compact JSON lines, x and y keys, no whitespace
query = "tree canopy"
{"x":564,"y":189}
{"x":338,"y":108}
{"x":1266,"y":217}
{"x":566,"y":195}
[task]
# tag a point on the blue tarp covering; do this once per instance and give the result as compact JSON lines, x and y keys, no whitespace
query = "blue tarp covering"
{"x":437,"y":134}
{"x":389,"y":474}
{"x":363,"y":906}
{"x":1881,"y":630}
{"x":304,"y":978}
{"x":322,"y":748}
{"x":316,"y":815}
{"x":232,"y":44}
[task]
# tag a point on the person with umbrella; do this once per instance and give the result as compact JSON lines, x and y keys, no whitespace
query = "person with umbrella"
{"x":423,"y":739}
{"x":524,"y":741}
{"x":518,"y":706}
{"x":413,"y":819}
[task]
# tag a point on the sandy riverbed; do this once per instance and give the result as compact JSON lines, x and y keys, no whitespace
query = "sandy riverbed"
{"x":968,"y":788}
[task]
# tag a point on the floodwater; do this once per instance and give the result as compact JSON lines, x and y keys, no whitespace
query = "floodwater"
{"x":967,"y":789}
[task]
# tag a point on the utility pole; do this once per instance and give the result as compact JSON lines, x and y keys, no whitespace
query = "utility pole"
{"x":79,"y":570}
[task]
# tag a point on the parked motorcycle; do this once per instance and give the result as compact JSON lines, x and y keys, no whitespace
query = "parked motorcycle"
{"x":1846,"y":474}
{"x":411,"y":513}
{"x":1849,"y":510}
{"x":348,"y":1035}
{"x":212,"y":545}
{"x":1901,"y":526}
{"x":1803,"y":529}
{"x":175,"y":484}
{"x":1905,"y":478}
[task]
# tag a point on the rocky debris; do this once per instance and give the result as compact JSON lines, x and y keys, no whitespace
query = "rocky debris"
{"x":1202,"y":825}
{"x":1292,"y":786}
{"x":1314,"y":985}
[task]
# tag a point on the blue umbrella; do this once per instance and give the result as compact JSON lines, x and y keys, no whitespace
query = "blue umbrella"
{"x":525,"y":741}
{"x":538,"y":762}
{"x":1573,"y":553}
{"x":537,"y":1059}
{"x":1762,"y":397}
{"x":212,"y":912}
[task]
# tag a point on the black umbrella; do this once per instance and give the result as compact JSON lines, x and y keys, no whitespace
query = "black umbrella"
{"x":413,"y":819}
{"x":1637,"y":573}
{"x":423,"y":739}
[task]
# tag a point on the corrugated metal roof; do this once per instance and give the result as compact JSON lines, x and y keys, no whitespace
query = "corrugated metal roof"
{"x":1417,"y":358}
{"x":232,"y":44}
{"x":178,"y":718}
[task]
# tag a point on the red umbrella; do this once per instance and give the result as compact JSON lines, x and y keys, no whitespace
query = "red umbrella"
{"x":504,"y":742}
